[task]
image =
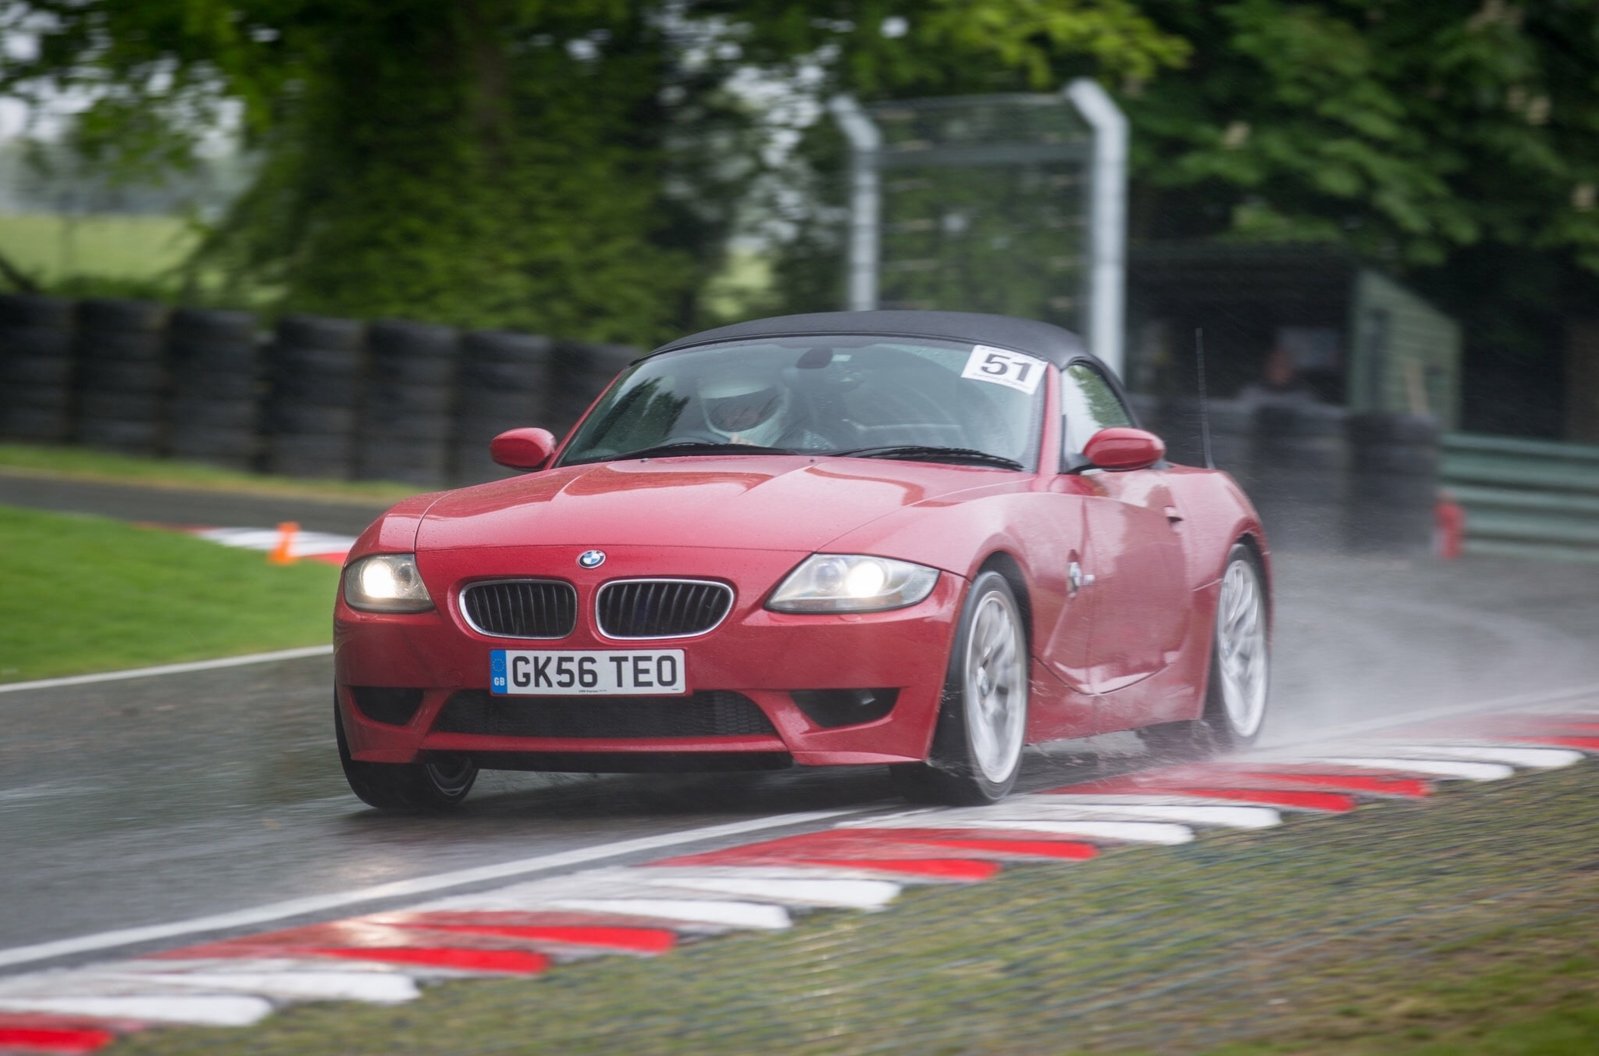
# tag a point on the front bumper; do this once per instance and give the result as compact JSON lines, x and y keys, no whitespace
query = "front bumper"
{"x":817,"y":690}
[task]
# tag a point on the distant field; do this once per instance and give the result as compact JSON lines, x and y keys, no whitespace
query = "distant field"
{"x":50,"y":247}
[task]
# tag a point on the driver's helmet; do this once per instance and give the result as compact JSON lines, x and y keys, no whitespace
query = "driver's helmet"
{"x":746,"y":409}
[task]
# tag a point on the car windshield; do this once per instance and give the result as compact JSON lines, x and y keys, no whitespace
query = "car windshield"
{"x":867,"y":397}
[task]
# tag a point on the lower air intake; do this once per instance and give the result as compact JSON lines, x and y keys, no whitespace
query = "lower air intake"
{"x":717,"y":714}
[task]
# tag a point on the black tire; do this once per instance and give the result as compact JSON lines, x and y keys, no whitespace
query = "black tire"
{"x":296,"y":418}
{"x":30,"y":310}
{"x":1236,"y":690}
{"x":977,"y":746}
{"x":292,"y":361}
{"x":388,"y":402}
{"x":44,"y":418}
{"x":406,"y":461}
{"x":494,"y":377}
{"x":321,"y":332}
{"x":126,"y":405}
{"x":218,"y":385}
{"x":114,"y":376}
{"x":213,"y":326}
{"x":316,"y":390}
{"x":120,"y":316}
{"x":21,"y":369}
{"x":109,"y":346}
{"x":319,"y":455}
{"x":410,"y":788}
{"x":222,"y":446}
{"x":133,"y":437}
{"x":393,"y":340}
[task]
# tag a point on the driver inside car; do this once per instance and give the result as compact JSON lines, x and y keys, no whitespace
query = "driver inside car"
{"x":754,"y":410}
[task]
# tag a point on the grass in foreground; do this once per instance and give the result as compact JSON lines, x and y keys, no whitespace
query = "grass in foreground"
{"x":80,"y":463}
{"x":84,"y":594}
{"x":1465,"y":925}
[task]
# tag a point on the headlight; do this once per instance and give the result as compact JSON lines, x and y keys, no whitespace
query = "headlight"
{"x":386,"y":583}
{"x":852,"y":583}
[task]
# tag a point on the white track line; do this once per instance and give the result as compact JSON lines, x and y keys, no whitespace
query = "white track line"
{"x":1395,"y":723}
{"x":172,"y":669}
{"x":422,"y":885}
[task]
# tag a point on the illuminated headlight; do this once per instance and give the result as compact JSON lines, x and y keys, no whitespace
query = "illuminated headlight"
{"x":386,"y":583}
{"x":852,"y":583}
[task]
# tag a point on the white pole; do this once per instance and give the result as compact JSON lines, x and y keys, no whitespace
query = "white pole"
{"x":864,"y":142}
{"x":1107,"y":245}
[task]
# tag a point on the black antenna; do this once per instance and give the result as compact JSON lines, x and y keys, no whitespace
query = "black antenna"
{"x":1204,"y":407}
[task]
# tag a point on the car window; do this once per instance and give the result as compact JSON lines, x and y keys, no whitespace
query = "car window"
{"x":1090,"y":404}
{"x":834,"y":394}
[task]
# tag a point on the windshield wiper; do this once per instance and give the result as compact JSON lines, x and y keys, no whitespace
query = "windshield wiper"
{"x":932,"y":453}
{"x":698,"y":447}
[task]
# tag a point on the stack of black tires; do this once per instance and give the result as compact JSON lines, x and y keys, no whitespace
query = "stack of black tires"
{"x":313,"y":396}
{"x":120,"y":350}
{"x":214,"y":361}
{"x":580,"y":373}
{"x":409,"y":406}
{"x":504,"y":384}
{"x":36,"y":368}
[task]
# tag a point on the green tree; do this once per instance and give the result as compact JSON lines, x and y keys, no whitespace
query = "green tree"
{"x":487,"y":163}
{"x":1455,"y":144}
{"x":570,"y":167}
{"x":1404,"y":131}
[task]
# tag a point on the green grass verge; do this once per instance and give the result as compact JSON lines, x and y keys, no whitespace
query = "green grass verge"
{"x":1466,"y":924}
{"x":80,"y":463}
{"x":84,"y":594}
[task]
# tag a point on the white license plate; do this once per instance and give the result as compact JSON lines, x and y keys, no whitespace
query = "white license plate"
{"x":581,"y":672}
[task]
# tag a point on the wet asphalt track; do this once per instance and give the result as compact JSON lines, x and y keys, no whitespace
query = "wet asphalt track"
{"x":162,"y":799}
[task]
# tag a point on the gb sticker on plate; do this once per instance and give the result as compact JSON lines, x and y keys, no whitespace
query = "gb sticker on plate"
{"x":1001,"y":366}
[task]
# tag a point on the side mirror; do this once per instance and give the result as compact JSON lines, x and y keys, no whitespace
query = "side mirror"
{"x":1121,"y":448}
{"x":523,"y":448}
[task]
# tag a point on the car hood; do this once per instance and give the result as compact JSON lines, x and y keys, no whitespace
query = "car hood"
{"x":736,"y":501}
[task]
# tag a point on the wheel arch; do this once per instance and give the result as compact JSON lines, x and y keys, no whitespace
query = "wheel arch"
{"x":1006,"y":565}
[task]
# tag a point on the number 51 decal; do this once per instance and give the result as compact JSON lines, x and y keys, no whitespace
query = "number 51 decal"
{"x":1004,"y":367}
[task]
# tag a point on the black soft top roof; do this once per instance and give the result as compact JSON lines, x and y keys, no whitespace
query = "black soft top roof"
{"x":1043,"y":340}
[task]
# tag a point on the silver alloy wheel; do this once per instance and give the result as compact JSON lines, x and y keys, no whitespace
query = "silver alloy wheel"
{"x":994,"y":678}
{"x":1241,"y":652}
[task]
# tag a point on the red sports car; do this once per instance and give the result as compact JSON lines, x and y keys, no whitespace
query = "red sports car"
{"x":913,"y":539}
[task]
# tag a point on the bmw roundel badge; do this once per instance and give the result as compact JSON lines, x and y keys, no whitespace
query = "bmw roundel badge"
{"x":591,"y":558}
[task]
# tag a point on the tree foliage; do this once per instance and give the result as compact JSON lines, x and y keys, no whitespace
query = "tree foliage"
{"x":573,"y":167}
{"x":1404,"y":131}
{"x":1454,"y":144}
{"x":577,"y":166}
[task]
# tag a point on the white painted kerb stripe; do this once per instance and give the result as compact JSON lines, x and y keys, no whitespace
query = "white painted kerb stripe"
{"x":397,"y":889}
{"x":208,"y":1010}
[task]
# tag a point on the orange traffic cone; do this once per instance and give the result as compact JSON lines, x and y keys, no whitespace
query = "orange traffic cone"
{"x":283,"y":553}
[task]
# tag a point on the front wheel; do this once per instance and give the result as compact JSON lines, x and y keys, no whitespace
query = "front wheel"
{"x":1240,"y":670}
{"x":434,"y":785}
{"x":982,"y":723}
{"x":1235,"y":705}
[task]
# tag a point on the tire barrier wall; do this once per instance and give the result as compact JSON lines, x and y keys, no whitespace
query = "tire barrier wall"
{"x":419,"y":403}
{"x":1525,"y":498}
{"x":1321,"y":477}
{"x":316,"y":397}
{"x":38,"y":370}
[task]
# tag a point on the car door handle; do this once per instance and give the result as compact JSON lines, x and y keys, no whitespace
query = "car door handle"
{"x":1076,"y":578}
{"x":1173,"y":515}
